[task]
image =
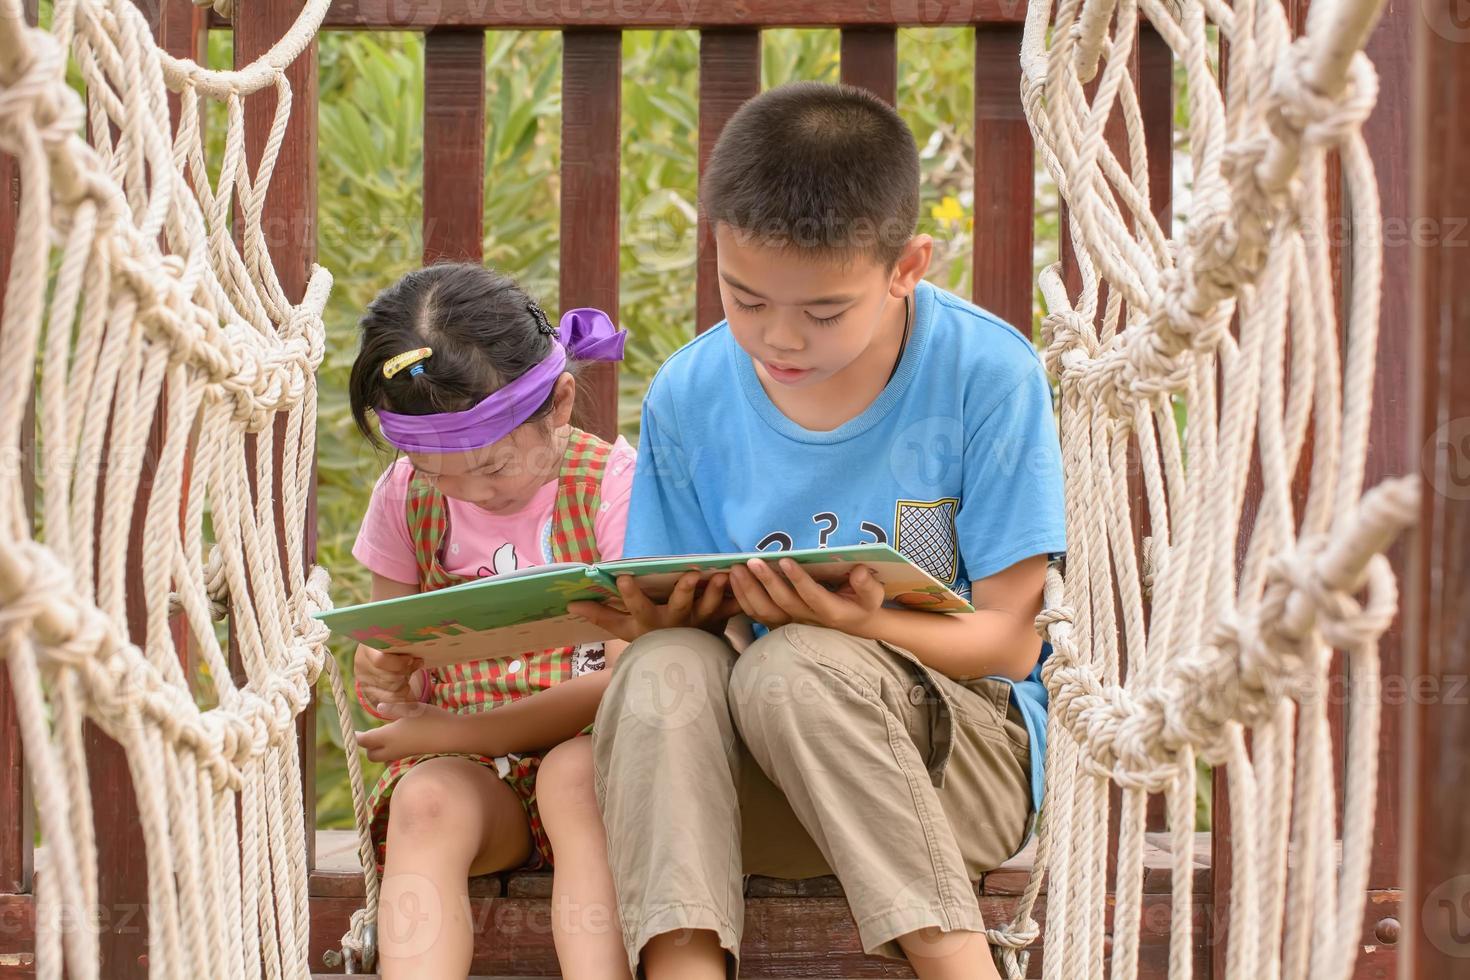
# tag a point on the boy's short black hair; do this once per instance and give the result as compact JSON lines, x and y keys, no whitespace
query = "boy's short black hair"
{"x":831,"y":168}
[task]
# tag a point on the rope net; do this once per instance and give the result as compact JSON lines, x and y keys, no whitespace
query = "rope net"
{"x":175,"y":400}
{"x":175,"y":393}
{"x":1218,"y":622}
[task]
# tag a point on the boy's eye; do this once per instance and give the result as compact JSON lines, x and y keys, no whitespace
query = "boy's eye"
{"x":746,"y":307}
{"x":825,"y":321}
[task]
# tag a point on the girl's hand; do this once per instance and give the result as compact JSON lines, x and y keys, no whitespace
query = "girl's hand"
{"x":424,"y":729}
{"x":708,"y":608}
{"x":773,"y":600}
{"x":384,"y":675}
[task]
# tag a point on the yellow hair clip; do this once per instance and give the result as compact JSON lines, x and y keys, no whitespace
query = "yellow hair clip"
{"x":405,"y":360}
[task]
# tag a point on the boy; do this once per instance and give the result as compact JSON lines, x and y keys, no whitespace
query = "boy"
{"x":844,"y":400}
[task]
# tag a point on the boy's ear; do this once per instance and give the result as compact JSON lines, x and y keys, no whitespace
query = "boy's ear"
{"x":564,"y":399}
{"x":913,"y":263}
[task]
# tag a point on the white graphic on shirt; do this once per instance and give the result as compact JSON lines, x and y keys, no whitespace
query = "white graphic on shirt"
{"x":504,"y":560}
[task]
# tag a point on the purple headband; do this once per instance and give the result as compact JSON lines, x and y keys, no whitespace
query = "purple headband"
{"x":584,"y":335}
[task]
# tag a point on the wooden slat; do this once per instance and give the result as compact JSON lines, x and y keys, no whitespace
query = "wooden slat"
{"x":672,"y":14}
{"x":122,"y":866}
{"x":122,"y":861}
{"x":590,"y":147}
{"x":15,"y":805}
{"x":1436,"y":609}
{"x":182,"y":29}
{"x":17,"y":937}
{"x":1155,"y":86}
{"x":1004,"y":180}
{"x":729,"y":74}
{"x":338,"y":874}
{"x":1386,"y":132}
{"x":291,"y":218}
{"x":870,"y":60}
{"x":454,"y":145}
{"x":807,"y":937}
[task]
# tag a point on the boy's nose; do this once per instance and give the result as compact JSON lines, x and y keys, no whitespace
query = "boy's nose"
{"x":783,"y":335}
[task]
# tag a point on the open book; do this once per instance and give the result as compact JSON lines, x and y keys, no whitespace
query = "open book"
{"x":526,"y":610}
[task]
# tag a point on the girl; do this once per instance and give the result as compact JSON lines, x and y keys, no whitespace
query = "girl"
{"x":471,"y":382}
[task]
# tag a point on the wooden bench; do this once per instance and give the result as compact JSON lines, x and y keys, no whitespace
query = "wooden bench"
{"x":793,"y":928}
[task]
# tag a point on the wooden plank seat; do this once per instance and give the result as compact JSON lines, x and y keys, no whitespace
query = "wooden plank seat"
{"x":793,"y":928}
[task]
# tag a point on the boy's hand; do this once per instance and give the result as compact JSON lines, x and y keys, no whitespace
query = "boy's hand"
{"x":792,"y":596}
{"x":423,"y":729}
{"x":690,"y":606}
{"x":384,"y":675}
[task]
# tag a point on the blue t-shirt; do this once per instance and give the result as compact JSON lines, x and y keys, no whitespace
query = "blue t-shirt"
{"x":955,"y":464}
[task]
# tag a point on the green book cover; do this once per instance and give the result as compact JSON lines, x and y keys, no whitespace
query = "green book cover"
{"x":505,"y":615}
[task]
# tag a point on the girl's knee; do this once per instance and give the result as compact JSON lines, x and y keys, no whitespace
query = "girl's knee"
{"x":564,"y":784}
{"x":430,"y":803}
{"x":566,"y":768}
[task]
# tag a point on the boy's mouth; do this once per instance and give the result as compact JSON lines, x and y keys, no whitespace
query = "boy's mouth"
{"x":786,"y":375}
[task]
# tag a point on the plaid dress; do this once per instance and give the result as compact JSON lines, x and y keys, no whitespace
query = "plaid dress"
{"x":483,"y":685}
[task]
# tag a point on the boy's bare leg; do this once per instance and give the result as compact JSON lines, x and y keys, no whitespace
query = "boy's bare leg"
{"x":936,"y":955}
{"x":691,"y":954}
{"x":584,"y":910}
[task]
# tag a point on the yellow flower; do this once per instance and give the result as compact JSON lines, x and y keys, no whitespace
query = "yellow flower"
{"x":948,"y":210}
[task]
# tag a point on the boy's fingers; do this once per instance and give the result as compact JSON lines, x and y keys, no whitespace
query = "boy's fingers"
{"x":737,"y":587}
{"x":780,"y":591}
{"x":713,"y":596}
{"x":755,"y":601}
{"x":639,"y":605}
{"x":866,"y":586}
{"x":599,"y":615}
{"x":594,"y":612}
{"x":681,"y":602}
{"x":817,"y":598}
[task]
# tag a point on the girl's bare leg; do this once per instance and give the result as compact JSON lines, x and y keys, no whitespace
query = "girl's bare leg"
{"x":584,"y":912}
{"x":448,"y":818}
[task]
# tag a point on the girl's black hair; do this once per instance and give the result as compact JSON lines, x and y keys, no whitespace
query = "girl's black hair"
{"x":484,"y":329}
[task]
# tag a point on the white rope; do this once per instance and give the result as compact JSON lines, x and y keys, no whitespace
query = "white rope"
{"x":131,"y":300}
{"x":1172,"y":650}
{"x":139,"y":294}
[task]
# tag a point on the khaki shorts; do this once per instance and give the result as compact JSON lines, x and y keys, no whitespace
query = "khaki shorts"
{"x":811,"y":753}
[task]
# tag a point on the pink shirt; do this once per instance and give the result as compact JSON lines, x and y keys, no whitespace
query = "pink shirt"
{"x":481,"y":543}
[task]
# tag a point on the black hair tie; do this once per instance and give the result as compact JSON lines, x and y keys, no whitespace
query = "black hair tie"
{"x":543,"y":324}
